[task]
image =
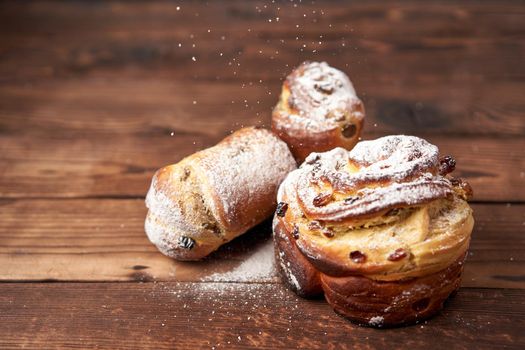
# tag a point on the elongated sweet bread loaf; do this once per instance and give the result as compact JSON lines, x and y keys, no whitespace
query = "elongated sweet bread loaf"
{"x":217,"y":194}
{"x":318,"y":110}
{"x":381,"y":230}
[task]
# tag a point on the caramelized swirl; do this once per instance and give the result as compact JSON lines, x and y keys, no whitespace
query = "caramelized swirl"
{"x":376,"y":176}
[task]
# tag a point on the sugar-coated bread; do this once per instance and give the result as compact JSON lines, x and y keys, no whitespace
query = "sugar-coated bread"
{"x":217,"y":194}
{"x":381,"y":230}
{"x":318,"y":110}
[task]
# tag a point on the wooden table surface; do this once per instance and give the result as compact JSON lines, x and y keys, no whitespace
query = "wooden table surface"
{"x":96,"y":95}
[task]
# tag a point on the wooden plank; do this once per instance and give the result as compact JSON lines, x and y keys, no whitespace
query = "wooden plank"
{"x":92,"y":114}
{"x":444,"y":67}
{"x":215,"y":316}
{"x":81,"y":166}
{"x":91,"y":91}
{"x":104,"y":240}
{"x":147,"y":34}
{"x":134,"y":102}
{"x":450,"y":69}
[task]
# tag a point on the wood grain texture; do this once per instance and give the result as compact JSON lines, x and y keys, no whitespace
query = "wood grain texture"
{"x":104,"y":240}
{"x":221,"y":316}
{"x":134,"y":101}
{"x":92,"y":114}
{"x":122,"y":166}
{"x":91,"y":92}
{"x":443,"y":39}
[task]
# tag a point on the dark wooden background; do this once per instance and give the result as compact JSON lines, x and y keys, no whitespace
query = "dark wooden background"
{"x":91,"y":92}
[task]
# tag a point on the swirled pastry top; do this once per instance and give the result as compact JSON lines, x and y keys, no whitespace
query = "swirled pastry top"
{"x":385,"y":209}
{"x":318,"y":97}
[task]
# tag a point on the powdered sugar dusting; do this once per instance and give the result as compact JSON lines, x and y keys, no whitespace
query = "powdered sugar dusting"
{"x":286,"y":269}
{"x":322,"y":96}
{"x":395,"y":157}
{"x":376,"y":321}
{"x":237,"y":180}
{"x":232,"y":167}
{"x":164,"y":213}
{"x":258,"y":267}
{"x":380,"y":174}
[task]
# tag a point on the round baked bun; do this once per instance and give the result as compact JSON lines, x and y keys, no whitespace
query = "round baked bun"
{"x":318,"y":110}
{"x":382,"y":231}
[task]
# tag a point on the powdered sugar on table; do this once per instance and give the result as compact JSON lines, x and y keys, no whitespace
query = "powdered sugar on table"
{"x":258,"y":267}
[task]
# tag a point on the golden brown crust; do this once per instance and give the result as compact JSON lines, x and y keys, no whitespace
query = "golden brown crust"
{"x":299,"y":275}
{"x":216,"y":194}
{"x":387,"y":260}
{"x":361,"y":299}
{"x":318,"y":110}
{"x":386,"y":304}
